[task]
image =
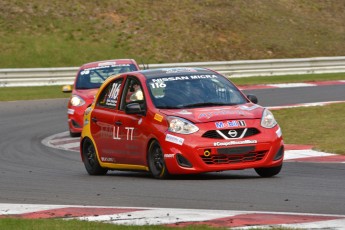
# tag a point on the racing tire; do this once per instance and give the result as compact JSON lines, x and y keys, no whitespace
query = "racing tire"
{"x":268,"y":172}
{"x":90,"y":159}
{"x":156,"y":161}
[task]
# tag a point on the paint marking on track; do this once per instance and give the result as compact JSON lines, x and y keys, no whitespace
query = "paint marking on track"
{"x":291,"y":85}
{"x":304,"y":105}
{"x":174,"y":217}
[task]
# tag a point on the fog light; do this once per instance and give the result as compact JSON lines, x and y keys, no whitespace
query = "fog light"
{"x":75,"y":124}
{"x":207,"y":153}
{"x":182,"y":161}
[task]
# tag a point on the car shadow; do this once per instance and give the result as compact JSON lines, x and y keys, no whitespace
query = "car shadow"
{"x":228,"y":175}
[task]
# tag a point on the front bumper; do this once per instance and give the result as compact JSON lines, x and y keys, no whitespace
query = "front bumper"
{"x":76,"y":119}
{"x":209,"y":155}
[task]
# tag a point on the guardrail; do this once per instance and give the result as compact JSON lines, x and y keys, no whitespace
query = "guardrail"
{"x":233,"y":69}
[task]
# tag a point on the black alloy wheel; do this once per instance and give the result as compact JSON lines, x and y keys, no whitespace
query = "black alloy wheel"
{"x":156,"y":162}
{"x":90,"y":159}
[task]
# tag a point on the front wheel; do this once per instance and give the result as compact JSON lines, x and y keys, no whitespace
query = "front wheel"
{"x":268,"y":172}
{"x":156,"y":162}
{"x":90,"y":159}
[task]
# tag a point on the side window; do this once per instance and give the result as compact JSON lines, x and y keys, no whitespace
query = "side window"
{"x":110,"y":95}
{"x":133,"y":92}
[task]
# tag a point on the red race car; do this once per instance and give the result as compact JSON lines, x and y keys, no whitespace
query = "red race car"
{"x":178,"y":121}
{"x":89,"y":78}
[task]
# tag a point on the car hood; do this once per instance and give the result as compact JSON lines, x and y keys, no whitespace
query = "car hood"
{"x":219,"y":113}
{"x":88,"y":94}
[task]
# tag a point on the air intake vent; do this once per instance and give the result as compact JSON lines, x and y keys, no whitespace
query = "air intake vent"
{"x":231,"y":133}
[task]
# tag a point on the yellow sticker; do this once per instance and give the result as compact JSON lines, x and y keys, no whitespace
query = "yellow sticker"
{"x":158,"y":117}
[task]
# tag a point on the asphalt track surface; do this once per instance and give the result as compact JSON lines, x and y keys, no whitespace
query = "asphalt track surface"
{"x":33,"y":173}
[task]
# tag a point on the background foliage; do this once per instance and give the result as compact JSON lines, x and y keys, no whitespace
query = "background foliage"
{"x":55,"y":33}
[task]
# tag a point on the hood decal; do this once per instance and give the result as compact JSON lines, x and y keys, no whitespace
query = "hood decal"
{"x":220,"y":113}
{"x":210,"y":114}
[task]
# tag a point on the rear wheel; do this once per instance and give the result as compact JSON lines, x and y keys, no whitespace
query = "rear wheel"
{"x":268,"y":172}
{"x":90,"y":159}
{"x":156,"y":162}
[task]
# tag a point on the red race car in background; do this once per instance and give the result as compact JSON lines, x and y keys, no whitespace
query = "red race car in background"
{"x":178,"y":121}
{"x":89,"y":78}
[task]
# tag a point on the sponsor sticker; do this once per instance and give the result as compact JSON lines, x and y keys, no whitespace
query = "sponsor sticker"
{"x":208,"y":115}
{"x":174,"y":139}
{"x":70,"y":111}
{"x":182,"y":78}
{"x":170,"y":155}
{"x":235,"y":143}
{"x":108,"y":159}
{"x":106,"y":63}
{"x":178,"y":70}
{"x":158,"y":117}
{"x":229,"y":124}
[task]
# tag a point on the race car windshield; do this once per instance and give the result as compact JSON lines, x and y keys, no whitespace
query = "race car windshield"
{"x":92,"y":78}
{"x":193,"y":91}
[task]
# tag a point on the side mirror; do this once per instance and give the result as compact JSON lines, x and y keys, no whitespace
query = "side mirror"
{"x":66,"y":89}
{"x":135,"y":108}
{"x":252,"y":98}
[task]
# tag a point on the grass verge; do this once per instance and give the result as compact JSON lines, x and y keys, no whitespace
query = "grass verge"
{"x":32,"y":93}
{"x":58,"y":224}
{"x":320,"y":126}
{"x":288,"y":79}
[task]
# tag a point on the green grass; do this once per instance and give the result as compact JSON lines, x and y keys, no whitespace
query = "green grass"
{"x":320,"y":126}
{"x":59,"y":33}
{"x":31,"y":93}
{"x":288,"y":78}
{"x":58,"y":224}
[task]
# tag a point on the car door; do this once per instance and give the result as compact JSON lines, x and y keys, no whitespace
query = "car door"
{"x":131,"y":133}
{"x":102,"y":121}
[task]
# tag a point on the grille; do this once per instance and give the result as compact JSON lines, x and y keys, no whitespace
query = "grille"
{"x":234,"y":158}
{"x":236,"y":150}
{"x":217,"y":134}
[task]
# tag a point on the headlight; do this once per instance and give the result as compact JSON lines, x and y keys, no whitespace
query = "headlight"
{"x":267,"y":120}
{"x":180,"y":125}
{"x":77,"y":101}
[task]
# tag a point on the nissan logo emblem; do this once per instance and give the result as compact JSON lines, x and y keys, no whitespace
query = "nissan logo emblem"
{"x":232,"y":133}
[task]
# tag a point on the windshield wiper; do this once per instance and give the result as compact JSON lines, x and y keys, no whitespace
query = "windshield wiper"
{"x":206,"y":104}
{"x":167,"y":107}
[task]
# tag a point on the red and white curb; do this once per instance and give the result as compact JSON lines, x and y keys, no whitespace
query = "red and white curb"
{"x":174,"y":217}
{"x":292,"y":85}
{"x":293,"y":153}
{"x":304,"y":105}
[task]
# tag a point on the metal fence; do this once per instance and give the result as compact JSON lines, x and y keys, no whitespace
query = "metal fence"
{"x":232,"y":69}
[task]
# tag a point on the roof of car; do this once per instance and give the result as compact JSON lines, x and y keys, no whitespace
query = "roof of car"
{"x":168,"y":72}
{"x":108,"y":62}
